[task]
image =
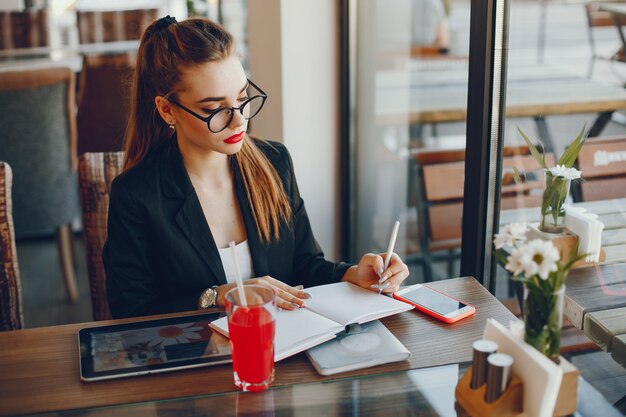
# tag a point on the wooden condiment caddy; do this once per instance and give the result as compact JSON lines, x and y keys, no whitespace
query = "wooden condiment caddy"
{"x":568,"y":392}
{"x":473,"y":402}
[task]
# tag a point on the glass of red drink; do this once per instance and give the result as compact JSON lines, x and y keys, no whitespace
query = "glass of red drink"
{"x":251,"y":332}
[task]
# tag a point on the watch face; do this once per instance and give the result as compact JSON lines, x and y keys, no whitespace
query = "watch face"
{"x":208,"y":298}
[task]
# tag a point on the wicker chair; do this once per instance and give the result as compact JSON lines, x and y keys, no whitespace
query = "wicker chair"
{"x":38,"y":140}
{"x":96,"y":171}
{"x":11,"y":317}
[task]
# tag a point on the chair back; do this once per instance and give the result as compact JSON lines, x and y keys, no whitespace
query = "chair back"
{"x":38,"y":140}
{"x":603,"y":165}
{"x":597,"y":17}
{"x":442,"y":181}
{"x":11,"y":316}
{"x":96,"y":171}
{"x":104,"y":102}
{"x":95,"y":26}
{"x":23,"y":29}
{"x":600,"y":18}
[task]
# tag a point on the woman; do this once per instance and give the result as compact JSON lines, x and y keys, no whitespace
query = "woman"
{"x":193,"y":182}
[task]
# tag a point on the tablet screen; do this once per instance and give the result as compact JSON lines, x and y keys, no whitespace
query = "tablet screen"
{"x":151,"y":346}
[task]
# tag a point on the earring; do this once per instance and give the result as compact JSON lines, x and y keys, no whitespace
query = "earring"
{"x":172,"y":127}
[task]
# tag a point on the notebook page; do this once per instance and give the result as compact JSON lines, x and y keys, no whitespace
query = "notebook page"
{"x":347,"y":303}
{"x":296,"y":331}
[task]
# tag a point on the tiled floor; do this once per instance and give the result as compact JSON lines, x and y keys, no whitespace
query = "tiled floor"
{"x":43,"y":288}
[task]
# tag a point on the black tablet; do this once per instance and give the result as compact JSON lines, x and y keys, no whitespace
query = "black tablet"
{"x":150,"y":346}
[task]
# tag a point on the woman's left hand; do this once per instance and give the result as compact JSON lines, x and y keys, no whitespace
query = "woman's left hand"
{"x":369,"y":271}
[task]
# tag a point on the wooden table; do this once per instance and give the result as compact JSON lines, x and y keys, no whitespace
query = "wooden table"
{"x":424,"y":392}
{"x":431,"y":97}
{"x":39,"y":367}
{"x":595,"y":302}
{"x":611,"y":212}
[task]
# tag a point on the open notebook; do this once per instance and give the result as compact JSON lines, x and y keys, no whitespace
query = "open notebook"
{"x":329,"y":310}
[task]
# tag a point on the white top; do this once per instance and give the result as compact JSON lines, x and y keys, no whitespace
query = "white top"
{"x":243,"y":257}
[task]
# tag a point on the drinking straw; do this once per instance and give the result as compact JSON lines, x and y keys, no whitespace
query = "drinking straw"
{"x":238,"y":280}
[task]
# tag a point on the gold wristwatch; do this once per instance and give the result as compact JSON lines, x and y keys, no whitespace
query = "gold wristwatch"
{"x":208,"y":298}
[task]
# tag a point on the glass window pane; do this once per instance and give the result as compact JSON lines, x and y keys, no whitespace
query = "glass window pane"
{"x":556,"y":87}
{"x":559,"y":83}
{"x":409,"y":124}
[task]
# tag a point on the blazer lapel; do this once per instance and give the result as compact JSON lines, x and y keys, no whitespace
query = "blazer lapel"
{"x":199,"y":234}
{"x":258,"y":250}
{"x":189,"y":216}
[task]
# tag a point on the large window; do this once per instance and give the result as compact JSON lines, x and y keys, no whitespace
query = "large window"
{"x":408,"y":131}
{"x":542,"y":67}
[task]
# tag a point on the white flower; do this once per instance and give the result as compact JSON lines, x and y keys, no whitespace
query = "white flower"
{"x":539,"y":257}
{"x":564,"y":172}
{"x":514,"y":263}
{"x":509,"y":234}
{"x":518,"y":230}
{"x":170,"y":335}
{"x":502,"y":239}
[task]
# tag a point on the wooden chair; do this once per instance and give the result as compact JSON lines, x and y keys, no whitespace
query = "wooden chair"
{"x":96,"y":171}
{"x":439,"y":188}
{"x":104,"y":102}
{"x":95,"y":26}
{"x":599,"y":18}
{"x":23,"y":29}
{"x":11,"y":317}
{"x":603,"y":165}
{"x":38,"y":140}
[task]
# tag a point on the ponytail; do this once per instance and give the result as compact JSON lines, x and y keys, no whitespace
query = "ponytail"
{"x":265,"y":191}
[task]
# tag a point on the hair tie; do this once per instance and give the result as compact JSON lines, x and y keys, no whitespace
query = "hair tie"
{"x":164,"y":22}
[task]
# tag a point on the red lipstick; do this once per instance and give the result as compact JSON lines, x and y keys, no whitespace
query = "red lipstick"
{"x":234,"y":138}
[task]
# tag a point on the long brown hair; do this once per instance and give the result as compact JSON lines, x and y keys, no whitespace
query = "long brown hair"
{"x":167,"y":47}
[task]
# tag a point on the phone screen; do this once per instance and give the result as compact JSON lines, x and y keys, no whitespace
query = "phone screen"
{"x":433,"y":300}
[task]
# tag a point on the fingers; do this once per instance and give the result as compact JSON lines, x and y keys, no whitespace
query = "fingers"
{"x":287,"y":297}
{"x":394,"y":275}
{"x":372,"y":262}
{"x":378,"y":264}
{"x":396,"y":266}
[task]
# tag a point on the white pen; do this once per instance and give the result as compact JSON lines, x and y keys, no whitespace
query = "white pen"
{"x":392,"y":243}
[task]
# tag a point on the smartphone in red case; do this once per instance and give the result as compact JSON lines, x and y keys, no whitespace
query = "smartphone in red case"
{"x":435,"y":303}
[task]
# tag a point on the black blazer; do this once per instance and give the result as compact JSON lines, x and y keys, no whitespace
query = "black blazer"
{"x":160,"y":254}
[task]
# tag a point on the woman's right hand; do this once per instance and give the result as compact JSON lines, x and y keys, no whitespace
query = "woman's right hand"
{"x":287,"y":297}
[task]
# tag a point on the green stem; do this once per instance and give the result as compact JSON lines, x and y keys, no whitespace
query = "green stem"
{"x":543,"y":317}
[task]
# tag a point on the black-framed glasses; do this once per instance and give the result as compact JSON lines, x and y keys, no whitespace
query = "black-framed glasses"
{"x":219,"y":119}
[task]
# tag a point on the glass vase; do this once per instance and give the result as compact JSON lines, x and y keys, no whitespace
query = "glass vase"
{"x":555,"y":194}
{"x":543,"y":320}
